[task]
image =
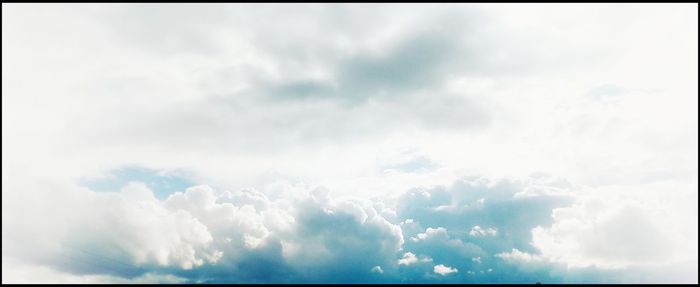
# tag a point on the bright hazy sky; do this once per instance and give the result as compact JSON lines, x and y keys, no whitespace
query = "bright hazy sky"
{"x":272,"y":143}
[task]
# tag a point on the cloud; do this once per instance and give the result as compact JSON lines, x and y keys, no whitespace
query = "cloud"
{"x":140,"y":230}
{"x":126,"y":234}
{"x":200,"y":230}
{"x":19,"y":273}
{"x":308,"y":235}
{"x":432,"y":233}
{"x":207,"y":144}
{"x":444,"y":270}
{"x":478,"y":231}
{"x":162,"y":183}
{"x":517,"y":255}
{"x":408,"y":259}
{"x":620,"y":232}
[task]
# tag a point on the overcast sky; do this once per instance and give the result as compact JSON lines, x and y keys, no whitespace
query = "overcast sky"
{"x":270,"y":143}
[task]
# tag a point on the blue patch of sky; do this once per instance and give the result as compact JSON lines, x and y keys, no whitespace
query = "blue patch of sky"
{"x":418,"y":164}
{"x":162,"y":183}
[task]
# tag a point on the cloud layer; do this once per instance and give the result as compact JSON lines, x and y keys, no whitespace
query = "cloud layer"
{"x":304,"y":235}
{"x":349,"y":143}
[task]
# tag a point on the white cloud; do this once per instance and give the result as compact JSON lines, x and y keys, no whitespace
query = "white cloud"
{"x":516,"y":255}
{"x":199,"y":228}
{"x":153,"y":89}
{"x":130,"y":227}
{"x":19,"y":273}
{"x":408,"y":259}
{"x":444,"y":270}
{"x":478,"y":231}
{"x":383,"y":103}
{"x":641,"y":225}
{"x":432,"y":233}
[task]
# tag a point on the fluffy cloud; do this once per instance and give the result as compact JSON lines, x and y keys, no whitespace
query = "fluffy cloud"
{"x":307,"y":235}
{"x":221,"y":233}
{"x":647,"y":229}
{"x":444,"y":270}
{"x":478,"y":231}
{"x":410,"y":258}
{"x":125,"y":233}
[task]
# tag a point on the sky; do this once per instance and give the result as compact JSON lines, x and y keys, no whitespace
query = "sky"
{"x":349,"y":143}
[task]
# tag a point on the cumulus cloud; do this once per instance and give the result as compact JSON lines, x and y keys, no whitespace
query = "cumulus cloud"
{"x":307,"y":235}
{"x":141,"y":228}
{"x":620,"y":231}
{"x":131,"y":232}
{"x":431,"y":233}
{"x":444,"y":270}
{"x":410,"y":258}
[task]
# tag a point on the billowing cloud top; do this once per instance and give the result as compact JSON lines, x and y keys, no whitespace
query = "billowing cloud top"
{"x":364,"y":143}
